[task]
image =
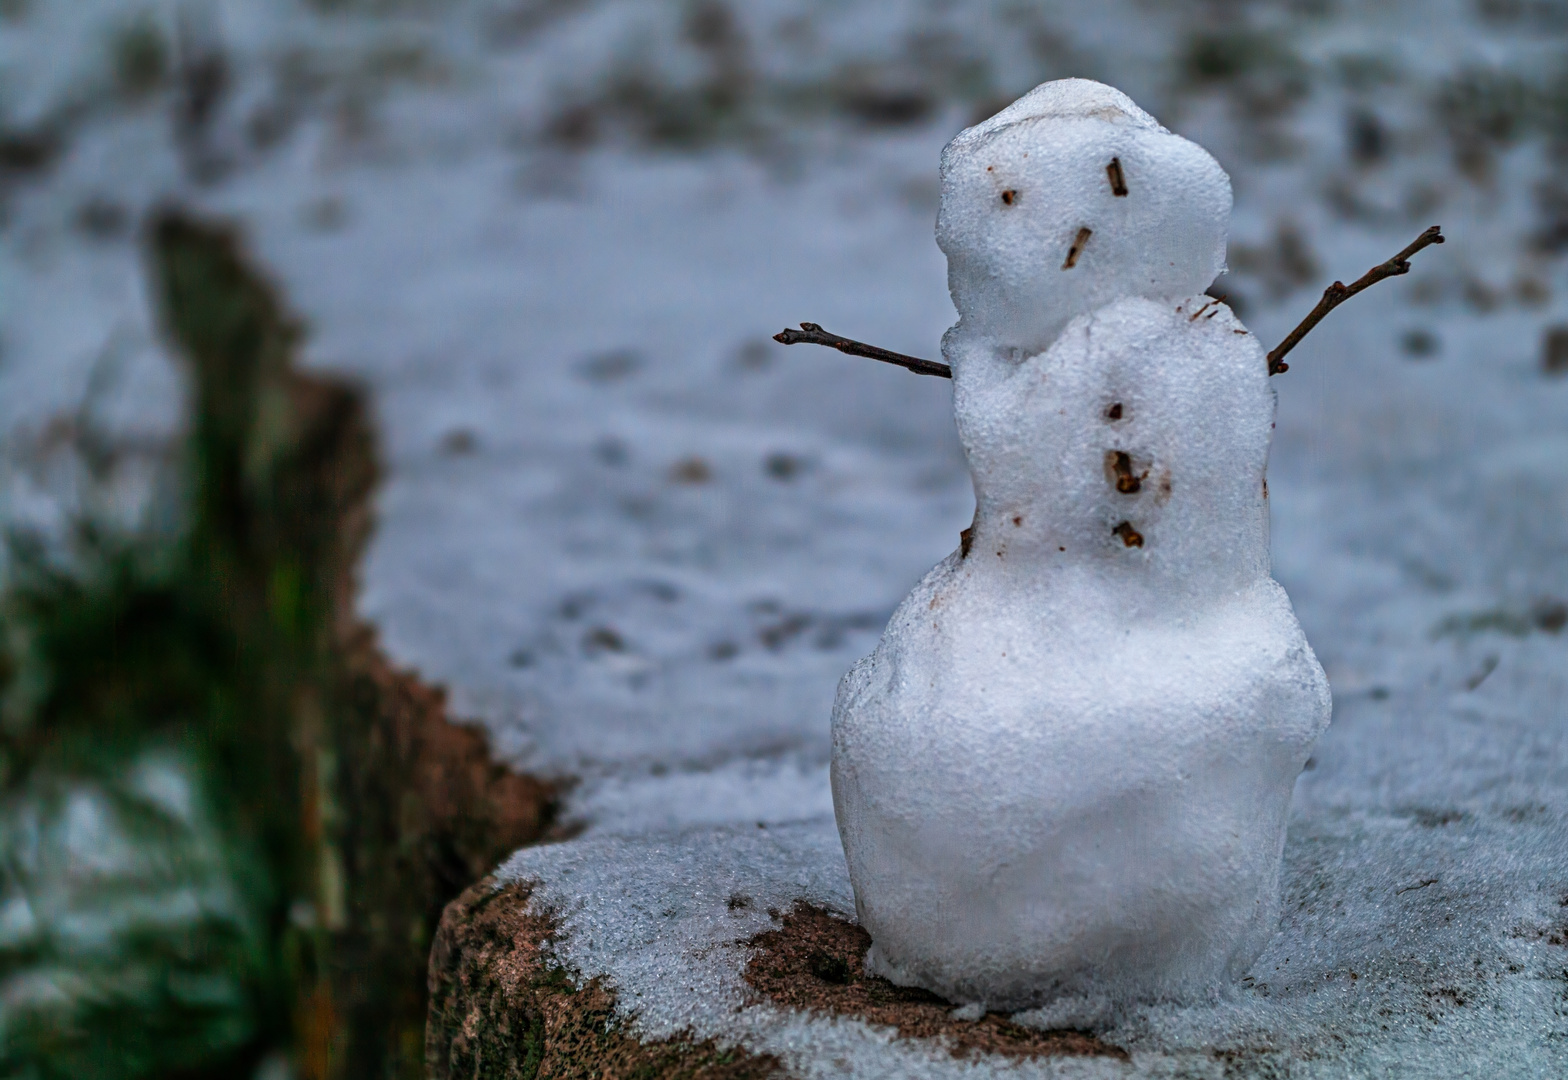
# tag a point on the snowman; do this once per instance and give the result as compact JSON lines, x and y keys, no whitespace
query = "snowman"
{"x":1067,"y":767}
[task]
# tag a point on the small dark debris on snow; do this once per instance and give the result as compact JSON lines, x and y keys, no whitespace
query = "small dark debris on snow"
{"x":1554,"y":350}
{"x":27,"y":151}
{"x":783,"y":466}
{"x":753,"y":356}
{"x":1549,"y":615}
{"x":102,"y":219}
{"x":1529,"y":812}
{"x":1366,"y":137}
{"x":574,"y":127}
{"x":886,"y":106}
{"x":1130,"y":537}
{"x":603,"y":639}
{"x":326,"y":214}
{"x":1418,"y":344}
{"x":611,"y":451}
{"x":139,"y":57}
{"x":1428,"y":818}
{"x":458,"y":442}
{"x":692,"y":470}
{"x":776,"y":635}
{"x":611,"y":366}
{"x":832,"y":631}
{"x":1488,"y":666}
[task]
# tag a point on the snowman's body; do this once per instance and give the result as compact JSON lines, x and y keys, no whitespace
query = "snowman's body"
{"x":1067,"y":767}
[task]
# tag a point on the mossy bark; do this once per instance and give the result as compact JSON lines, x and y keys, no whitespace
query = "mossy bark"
{"x":501,"y":1010}
{"x":351,"y":810}
{"x":387,"y":810}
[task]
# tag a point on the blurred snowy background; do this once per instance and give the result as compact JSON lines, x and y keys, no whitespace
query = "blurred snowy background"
{"x":553,"y":237}
{"x":639,"y":540}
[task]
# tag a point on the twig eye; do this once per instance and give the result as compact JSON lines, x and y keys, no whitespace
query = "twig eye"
{"x":1077,"y":249}
{"x":1118,"y":181}
{"x":1008,"y":196}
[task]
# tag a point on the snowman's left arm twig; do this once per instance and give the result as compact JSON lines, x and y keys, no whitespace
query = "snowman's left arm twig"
{"x":1339,"y":292}
{"x":812,"y":334}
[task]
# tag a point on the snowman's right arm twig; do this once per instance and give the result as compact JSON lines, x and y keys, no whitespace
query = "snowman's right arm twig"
{"x":812,"y":334}
{"x":1339,"y":292}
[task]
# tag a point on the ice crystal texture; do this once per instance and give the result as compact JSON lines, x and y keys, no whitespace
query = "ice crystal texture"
{"x":1068,"y":764}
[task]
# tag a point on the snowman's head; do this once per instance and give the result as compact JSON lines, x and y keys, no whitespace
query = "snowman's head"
{"x":1068,"y":199}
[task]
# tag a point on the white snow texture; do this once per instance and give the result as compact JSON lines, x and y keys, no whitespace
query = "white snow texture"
{"x":546,"y":336}
{"x":1068,"y":765}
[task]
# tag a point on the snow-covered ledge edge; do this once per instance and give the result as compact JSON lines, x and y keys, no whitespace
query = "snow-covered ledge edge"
{"x":1375,"y":963}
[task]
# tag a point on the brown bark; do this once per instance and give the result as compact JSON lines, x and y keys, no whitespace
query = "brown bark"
{"x":502,"y":1010}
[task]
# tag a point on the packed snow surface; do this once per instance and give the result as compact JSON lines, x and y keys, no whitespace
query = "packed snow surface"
{"x":1067,"y":766}
{"x":1408,"y":947}
{"x":641,"y":543}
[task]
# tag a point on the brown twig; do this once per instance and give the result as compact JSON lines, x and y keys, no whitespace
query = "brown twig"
{"x":1339,"y":292}
{"x":812,"y":334}
{"x":1118,"y":178}
{"x":1077,"y":248}
{"x":1333,"y":296}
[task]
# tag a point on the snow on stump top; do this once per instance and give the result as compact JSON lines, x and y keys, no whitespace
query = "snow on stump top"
{"x":1424,"y":943}
{"x":1067,"y":767}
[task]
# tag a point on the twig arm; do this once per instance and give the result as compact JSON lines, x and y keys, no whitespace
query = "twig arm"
{"x":1333,"y":296}
{"x":1339,"y":292}
{"x":812,"y":334}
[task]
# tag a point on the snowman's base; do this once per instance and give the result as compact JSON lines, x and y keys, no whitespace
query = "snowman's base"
{"x":732,"y":952}
{"x":819,"y":961}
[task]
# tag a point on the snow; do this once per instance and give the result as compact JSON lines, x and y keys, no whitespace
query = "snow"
{"x":654,"y":914}
{"x":1407,"y":946}
{"x":482,"y":285}
{"x":683,"y":492}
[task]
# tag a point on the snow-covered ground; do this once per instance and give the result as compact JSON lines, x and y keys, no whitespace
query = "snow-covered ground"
{"x":641,"y":542}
